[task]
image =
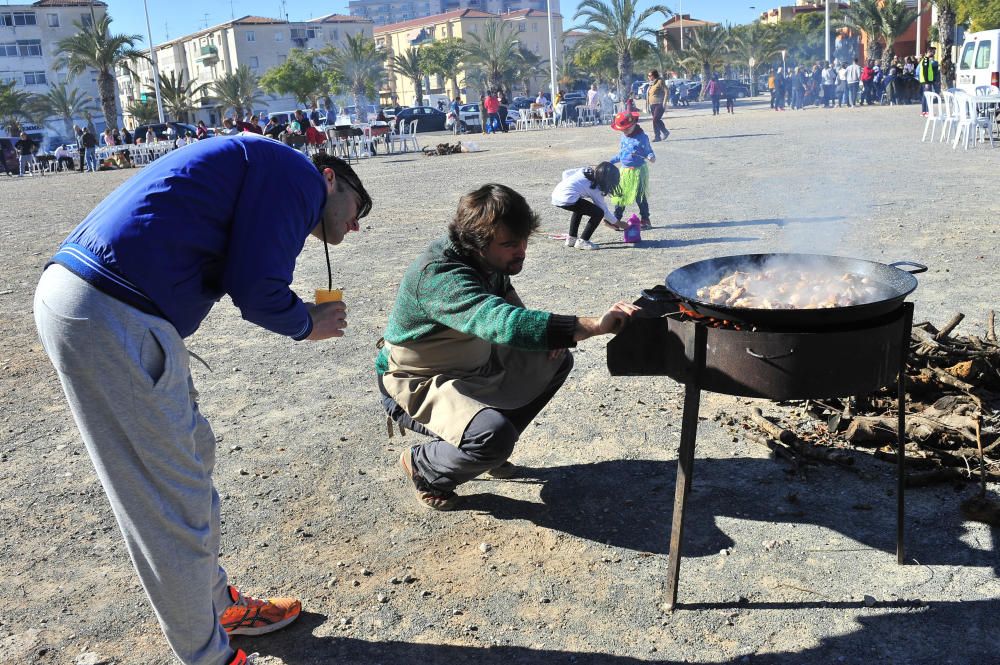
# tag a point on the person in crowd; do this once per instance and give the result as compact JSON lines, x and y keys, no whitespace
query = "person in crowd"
{"x":455,"y":115}
{"x":772,"y":87}
{"x":63,"y":157}
{"x":78,"y":132}
{"x":781,"y":85}
{"x":151,"y":135}
{"x":273,"y":128}
{"x":927,"y":74}
{"x":572,"y":194}
{"x":493,"y":119}
{"x":593,"y":99}
{"x":829,"y":85}
{"x":853,"y":83}
{"x":656,"y":94}
{"x":170,"y":132}
{"x":303,"y":121}
{"x":502,"y":101}
{"x":891,"y":82}
{"x":108,"y":138}
{"x":541,"y":100}
{"x":484,"y":115}
{"x":26,"y":149}
{"x":315,"y":117}
{"x":89,"y":143}
{"x":713,"y":90}
{"x":633,"y":153}
{"x":201,"y":131}
{"x":559,"y":108}
{"x":229,"y":127}
{"x":113,"y":309}
{"x":673,"y":91}
{"x":799,"y":81}
{"x":116,"y":135}
{"x":816,"y":84}
{"x":867,"y":84}
{"x":464,"y":362}
{"x":127,"y":137}
{"x":842,"y":85}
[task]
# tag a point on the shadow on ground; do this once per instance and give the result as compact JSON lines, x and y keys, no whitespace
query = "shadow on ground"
{"x":666,"y":243}
{"x":727,"y":223}
{"x":945,"y":632}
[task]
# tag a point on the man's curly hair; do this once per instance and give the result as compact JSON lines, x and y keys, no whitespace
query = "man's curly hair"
{"x":482,"y":211}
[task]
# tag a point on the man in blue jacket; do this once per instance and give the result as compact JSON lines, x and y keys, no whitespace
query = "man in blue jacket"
{"x":138,"y":275}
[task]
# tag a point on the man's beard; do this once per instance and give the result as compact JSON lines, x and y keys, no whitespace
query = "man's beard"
{"x":513,"y":267}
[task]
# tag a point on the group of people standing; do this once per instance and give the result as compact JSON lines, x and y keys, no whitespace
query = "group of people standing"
{"x":842,"y":84}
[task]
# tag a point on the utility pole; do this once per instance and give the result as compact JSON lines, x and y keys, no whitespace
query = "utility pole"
{"x":552,"y":57}
{"x":826,"y":4}
{"x":917,"y":40}
{"x":680,"y":13}
{"x":152,"y":57}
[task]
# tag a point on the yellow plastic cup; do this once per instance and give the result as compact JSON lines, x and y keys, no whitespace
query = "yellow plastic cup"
{"x":328,"y":295}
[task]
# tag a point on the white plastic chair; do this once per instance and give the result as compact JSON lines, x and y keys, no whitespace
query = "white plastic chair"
{"x":970,"y":122}
{"x":949,"y":113}
{"x":986,"y":90}
{"x":934,"y":114}
{"x":406,"y":137}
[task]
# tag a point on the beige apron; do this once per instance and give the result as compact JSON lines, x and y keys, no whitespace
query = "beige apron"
{"x":445,"y":379}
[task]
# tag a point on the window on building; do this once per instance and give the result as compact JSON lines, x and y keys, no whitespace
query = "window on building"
{"x":86,"y":20}
{"x":8,"y":50}
{"x":17,"y":18}
{"x":521,"y":27}
{"x":534,"y":27}
{"x":251,"y":36}
{"x":29,"y":47}
{"x":53,"y":20}
{"x":253,"y":61}
{"x":282,"y":58}
{"x":334,"y":34}
{"x":279,"y":36}
{"x":34,"y":78}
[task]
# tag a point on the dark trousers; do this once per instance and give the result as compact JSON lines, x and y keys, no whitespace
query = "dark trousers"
{"x":83,"y":151}
{"x":730,"y":105}
{"x":68,"y":161}
{"x":715,"y":105}
{"x":583,"y":207}
{"x":829,"y":95}
{"x":640,"y":201}
{"x":487,"y":442}
{"x":503,"y":119}
{"x":659,"y":129}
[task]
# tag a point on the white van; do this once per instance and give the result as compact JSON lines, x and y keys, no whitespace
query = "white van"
{"x":979,"y":61}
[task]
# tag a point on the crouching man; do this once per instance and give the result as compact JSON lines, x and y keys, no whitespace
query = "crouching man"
{"x":464,"y":361}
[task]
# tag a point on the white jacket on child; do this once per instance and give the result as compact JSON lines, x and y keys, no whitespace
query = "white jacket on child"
{"x":575,"y":186}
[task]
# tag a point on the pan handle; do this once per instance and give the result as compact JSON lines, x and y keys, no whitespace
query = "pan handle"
{"x":917,"y":267}
{"x":761,"y":356}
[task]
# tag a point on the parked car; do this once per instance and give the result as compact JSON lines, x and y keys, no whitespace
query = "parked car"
{"x":469,"y":115}
{"x":160,"y":129}
{"x":430,"y":119}
{"x":9,"y":155}
{"x":738,"y":89}
{"x":352,"y":113}
{"x":979,"y":61}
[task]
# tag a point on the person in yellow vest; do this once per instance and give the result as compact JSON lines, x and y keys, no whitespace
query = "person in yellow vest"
{"x":928,"y":75}
{"x":770,"y":86}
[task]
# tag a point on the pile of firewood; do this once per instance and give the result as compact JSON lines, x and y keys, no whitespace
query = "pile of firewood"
{"x":952,"y":414}
{"x":443,"y":149}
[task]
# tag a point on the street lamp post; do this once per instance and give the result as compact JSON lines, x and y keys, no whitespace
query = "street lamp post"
{"x":152,"y":57}
{"x":552,"y":57}
{"x":680,"y":13}
{"x":826,"y":4}
{"x":919,"y":8}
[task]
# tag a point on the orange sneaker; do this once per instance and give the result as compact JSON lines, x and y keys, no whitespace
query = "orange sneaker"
{"x":241,"y":658}
{"x":250,"y":616}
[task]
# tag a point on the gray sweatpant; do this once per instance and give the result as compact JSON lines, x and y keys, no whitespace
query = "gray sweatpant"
{"x":126,"y":377}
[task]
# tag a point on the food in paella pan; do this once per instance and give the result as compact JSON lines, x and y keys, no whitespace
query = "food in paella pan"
{"x":792,"y":289}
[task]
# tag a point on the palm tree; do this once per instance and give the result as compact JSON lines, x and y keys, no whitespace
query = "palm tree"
{"x":410,"y":65}
{"x":707,"y":50}
{"x":620,"y":22}
{"x":753,"y":43}
{"x":896,"y":19}
{"x":143,"y":112}
{"x":443,"y":58}
{"x":64,"y":103}
{"x":238,"y":91}
{"x":94,"y":47}
{"x":530,"y":66}
{"x":359,"y":68}
{"x":178,"y":96}
{"x":947,"y":11}
{"x":865,"y":16}
{"x":15,"y":106}
{"x":495,"y":51}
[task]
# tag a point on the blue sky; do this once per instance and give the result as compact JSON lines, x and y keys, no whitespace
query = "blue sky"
{"x":180,"y":17}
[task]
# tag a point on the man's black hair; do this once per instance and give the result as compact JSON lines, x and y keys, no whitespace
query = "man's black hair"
{"x":342,"y":169}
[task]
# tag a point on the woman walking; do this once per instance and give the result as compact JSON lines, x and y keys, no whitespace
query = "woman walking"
{"x":656,"y":95}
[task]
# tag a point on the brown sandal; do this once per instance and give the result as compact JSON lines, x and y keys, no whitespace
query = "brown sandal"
{"x":426,"y":495}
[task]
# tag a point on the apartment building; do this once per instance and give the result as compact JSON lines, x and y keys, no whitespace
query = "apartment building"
{"x":531,"y":26}
{"x":789,"y":12}
{"x":29,"y":35}
{"x":386,"y":12}
{"x":258,"y":42}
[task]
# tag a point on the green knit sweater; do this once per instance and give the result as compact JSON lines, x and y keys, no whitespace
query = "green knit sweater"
{"x":446,"y":289}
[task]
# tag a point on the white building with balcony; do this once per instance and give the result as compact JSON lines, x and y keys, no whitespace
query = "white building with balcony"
{"x":29,"y":53}
{"x":259,"y":43}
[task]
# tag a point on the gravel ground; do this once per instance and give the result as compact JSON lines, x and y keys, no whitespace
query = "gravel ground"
{"x":566,"y":564}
